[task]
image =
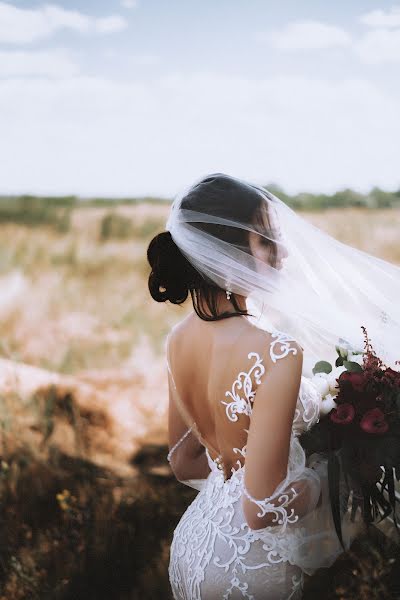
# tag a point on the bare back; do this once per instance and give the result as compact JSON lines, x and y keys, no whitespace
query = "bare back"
{"x":266,"y":511}
{"x":217,"y":367}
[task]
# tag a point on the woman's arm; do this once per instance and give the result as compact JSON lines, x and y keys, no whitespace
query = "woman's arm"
{"x":187,"y":459}
{"x":273,"y":495}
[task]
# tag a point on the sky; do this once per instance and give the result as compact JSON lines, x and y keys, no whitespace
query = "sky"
{"x":143,"y":97}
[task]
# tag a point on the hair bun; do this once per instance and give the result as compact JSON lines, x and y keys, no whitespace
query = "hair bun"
{"x":171,"y":273}
{"x":165,"y":240}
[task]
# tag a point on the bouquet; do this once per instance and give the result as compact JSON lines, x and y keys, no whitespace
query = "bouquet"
{"x":359,"y":429}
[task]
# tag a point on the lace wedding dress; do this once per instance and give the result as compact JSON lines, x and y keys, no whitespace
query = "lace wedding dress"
{"x":214,"y":553}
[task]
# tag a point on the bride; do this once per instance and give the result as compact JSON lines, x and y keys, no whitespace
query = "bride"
{"x":271,"y":296}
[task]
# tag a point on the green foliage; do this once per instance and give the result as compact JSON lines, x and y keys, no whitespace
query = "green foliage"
{"x":352,"y":366}
{"x":322,"y":366}
{"x":115,"y":226}
{"x":148,"y":228}
{"x":376,"y":198}
{"x":32,"y":210}
{"x":35,"y":211}
{"x":339,"y":361}
{"x":103,"y":202}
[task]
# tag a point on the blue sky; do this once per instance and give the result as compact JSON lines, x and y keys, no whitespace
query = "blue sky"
{"x":135,"y":97}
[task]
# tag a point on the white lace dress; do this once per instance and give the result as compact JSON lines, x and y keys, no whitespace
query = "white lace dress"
{"x":215,"y":554}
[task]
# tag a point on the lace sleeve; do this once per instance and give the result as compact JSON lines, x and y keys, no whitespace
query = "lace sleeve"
{"x":293,"y":498}
{"x":271,"y":438}
{"x":300,"y":509}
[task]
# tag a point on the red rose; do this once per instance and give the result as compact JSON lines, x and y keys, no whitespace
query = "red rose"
{"x":343,"y":414}
{"x":373,"y":421}
{"x":356,"y":380}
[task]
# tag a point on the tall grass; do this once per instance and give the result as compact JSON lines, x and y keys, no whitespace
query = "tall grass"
{"x":35,"y":211}
{"x":75,"y":301}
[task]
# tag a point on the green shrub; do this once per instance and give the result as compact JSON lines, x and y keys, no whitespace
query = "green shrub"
{"x":149,"y":228}
{"x":115,"y":226}
{"x":35,"y":211}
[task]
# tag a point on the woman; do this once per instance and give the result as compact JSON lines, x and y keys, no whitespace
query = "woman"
{"x":239,"y":391}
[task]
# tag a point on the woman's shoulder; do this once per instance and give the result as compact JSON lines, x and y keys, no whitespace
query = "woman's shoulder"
{"x":180,"y":326}
{"x":282,"y":344}
{"x":180,"y":330}
{"x":277,"y":344}
{"x":273,"y":343}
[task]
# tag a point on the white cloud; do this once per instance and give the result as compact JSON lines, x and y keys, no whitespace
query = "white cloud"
{"x":380,"y":18}
{"x":55,"y":63}
{"x":141,"y":60}
{"x":145,"y":60}
{"x":379,"y":46}
{"x":376,"y":46}
{"x":305,"y":35}
{"x":110,"y":24}
{"x":129,"y":3}
{"x":27,"y":25}
{"x":95,"y":136}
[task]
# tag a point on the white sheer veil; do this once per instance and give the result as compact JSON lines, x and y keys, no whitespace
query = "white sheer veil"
{"x":314,"y":287}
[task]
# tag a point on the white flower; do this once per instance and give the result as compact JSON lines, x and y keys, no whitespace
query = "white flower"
{"x":320,"y":381}
{"x":343,"y":347}
{"x":358,"y":358}
{"x":333,"y":375}
{"x":346,"y":349}
{"x":327,"y":404}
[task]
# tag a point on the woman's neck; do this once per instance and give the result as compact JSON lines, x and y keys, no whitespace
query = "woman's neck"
{"x":225,"y":305}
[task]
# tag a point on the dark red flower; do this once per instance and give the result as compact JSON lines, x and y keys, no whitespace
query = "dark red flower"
{"x":392,"y":376}
{"x":373,"y":421}
{"x":354,"y":379}
{"x":364,"y":401}
{"x":343,"y":414}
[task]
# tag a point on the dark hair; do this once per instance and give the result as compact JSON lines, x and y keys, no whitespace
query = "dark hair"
{"x":172,"y":276}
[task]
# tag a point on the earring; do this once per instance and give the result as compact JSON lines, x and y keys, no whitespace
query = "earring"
{"x":228,"y":291}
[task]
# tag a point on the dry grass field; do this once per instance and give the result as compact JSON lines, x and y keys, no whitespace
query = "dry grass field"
{"x":83,"y":403}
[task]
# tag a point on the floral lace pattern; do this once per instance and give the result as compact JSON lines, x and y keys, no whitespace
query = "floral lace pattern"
{"x":285,"y":348}
{"x":214,"y":553}
{"x":213,"y":536}
{"x":239,"y":404}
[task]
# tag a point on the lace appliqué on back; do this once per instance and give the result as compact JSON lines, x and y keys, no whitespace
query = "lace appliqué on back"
{"x":284,"y":340}
{"x":243,"y":404}
{"x":238,"y":404}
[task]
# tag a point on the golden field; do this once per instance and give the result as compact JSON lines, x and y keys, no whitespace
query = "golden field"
{"x":83,"y":403}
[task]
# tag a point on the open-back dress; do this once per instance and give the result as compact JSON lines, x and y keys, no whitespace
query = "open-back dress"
{"x":214,"y":553}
